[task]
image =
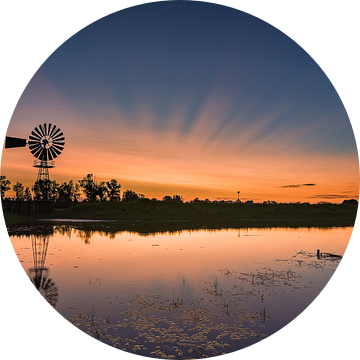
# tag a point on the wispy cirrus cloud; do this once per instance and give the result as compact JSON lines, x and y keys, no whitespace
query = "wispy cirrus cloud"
{"x":329,"y":196}
{"x":297,"y":185}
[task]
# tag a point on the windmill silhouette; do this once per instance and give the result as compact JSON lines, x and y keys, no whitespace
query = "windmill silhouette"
{"x":46,"y":142}
{"x":39,"y":274}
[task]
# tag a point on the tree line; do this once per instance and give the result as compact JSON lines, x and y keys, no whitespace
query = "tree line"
{"x":70,"y":192}
{"x":66,"y":192}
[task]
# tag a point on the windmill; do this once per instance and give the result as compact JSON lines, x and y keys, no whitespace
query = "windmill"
{"x":46,"y":142}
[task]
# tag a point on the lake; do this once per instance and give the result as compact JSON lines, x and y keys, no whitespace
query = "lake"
{"x":179,"y":294}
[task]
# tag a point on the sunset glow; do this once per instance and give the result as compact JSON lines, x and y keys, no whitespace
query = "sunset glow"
{"x":168,"y":111}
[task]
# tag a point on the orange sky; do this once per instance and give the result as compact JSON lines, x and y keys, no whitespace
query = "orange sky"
{"x":206,"y":163}
{"x":195,"y":118}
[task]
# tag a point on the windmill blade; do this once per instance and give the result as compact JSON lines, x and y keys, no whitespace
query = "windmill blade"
{"x":48,"y":129}
{"x":53,"y":135}
{"x":45,"y":130}
{"x":53,"y":129}
{"x":34,"y":139}
{"x":38,"y":131}
{"x":57,"y":136}
{"x":57,"y":151}
{"x":35,"y":135}
{"x":58,"y":143}
{"x":53,"y":153}
{"x":11,"y":142}
{"x":33,"y":147}
{"x":42,"y":130}
{"x":58,"y":147}
{"x":36,"y":153}
{"x":49,"y":155}
{"x":59,"y":139}
{"x":43,"y":154}
{"x":34,"y":143}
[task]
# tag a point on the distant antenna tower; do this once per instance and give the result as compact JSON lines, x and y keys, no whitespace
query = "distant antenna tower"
{"x":238,"y":195}
{"x":45,"y":144}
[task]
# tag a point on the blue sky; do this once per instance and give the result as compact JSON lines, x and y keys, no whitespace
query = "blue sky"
{"x":177,"y":88}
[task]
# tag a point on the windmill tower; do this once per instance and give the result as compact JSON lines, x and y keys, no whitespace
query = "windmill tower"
{"x":46,"y":142}
{"x":39,"y":274}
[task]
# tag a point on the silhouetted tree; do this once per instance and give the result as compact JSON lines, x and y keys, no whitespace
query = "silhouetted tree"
{"x":4,"y":185}
{"x":68,"y":192}
{"x":102,"y":190}
{"x":27,"y":194}
{"x":89,"y":187}
{"x":113,"y":190}
{"x":19,"y":191}
{"x":350,"y":202}
{"x":167,"y":198}
{"x":177,"y":198}
{"x":130,"y":195}
{"x":45,"y":190}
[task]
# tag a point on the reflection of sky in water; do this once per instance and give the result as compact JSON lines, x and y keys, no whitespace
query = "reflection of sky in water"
{"x":268,"y":275}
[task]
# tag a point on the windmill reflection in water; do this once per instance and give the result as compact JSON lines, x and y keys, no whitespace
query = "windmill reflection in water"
{"x":39,"y":274}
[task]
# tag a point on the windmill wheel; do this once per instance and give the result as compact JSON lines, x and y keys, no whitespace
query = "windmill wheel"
{"x":46,"y":143}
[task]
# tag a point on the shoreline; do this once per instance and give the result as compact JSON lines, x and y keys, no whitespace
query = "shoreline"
{"x":150,"y":227}
{"x":193,"y":215}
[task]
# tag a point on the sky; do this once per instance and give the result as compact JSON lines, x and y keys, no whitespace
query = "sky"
{"x":193,"y":99}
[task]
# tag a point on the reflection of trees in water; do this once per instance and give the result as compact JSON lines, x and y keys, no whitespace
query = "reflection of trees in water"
{"x":84,"y":235}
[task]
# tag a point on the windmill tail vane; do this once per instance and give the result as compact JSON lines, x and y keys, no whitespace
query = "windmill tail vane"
{"x":46,"y":142}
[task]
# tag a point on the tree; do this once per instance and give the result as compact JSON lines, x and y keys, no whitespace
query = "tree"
{"x":350,"y":202}
{"x":4,"y":185}
{"x":175,"y":198}
{"x":102,"y":190}
{"x":113,"y":190}
{"x":130,"y":195}
{"x":89,"y":187}
{"x":45,"y":190}
{"x":76,"y":192}
{"x":19,"y":191}
{"x":27,"y":194}
{"x":68,"y":192}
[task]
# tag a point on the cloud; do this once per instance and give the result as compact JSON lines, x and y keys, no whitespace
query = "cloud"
{"x":297,"y":185}
{"x":329,"y":196}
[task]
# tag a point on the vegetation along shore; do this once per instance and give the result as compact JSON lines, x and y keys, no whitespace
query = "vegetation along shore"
{"x":103,"y":202}
{"x":153,"y":214}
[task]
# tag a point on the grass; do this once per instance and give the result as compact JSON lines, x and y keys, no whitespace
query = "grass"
{"x":14,"y":219}
{"x":154,"y":216}
{"x":151,"y":210}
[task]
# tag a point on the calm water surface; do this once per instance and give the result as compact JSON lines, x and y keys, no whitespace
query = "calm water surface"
{"x":186,"y":294}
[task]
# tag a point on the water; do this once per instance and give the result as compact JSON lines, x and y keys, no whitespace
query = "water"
{"x":184,"y":294}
